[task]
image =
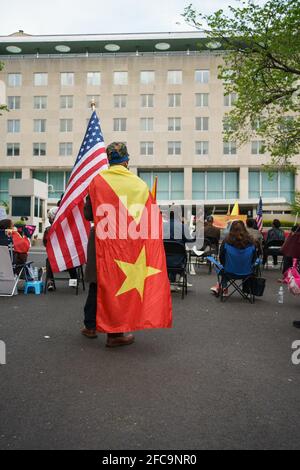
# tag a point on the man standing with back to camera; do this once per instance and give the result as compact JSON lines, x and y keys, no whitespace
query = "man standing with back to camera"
{"x":130,"y":289}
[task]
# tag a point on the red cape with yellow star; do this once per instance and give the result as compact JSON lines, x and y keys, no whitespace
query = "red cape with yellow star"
{"x":133,"y":288}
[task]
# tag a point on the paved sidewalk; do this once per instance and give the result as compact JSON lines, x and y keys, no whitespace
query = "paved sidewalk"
{"x":221,"y":378}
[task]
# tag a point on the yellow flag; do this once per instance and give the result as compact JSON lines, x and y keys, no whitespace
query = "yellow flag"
{"x":154,"y":189}
{"x":236,"y":209}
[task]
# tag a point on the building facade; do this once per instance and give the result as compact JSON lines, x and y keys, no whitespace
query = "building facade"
{"x":156,"y":92}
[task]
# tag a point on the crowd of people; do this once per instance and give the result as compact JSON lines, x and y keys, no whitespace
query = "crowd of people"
{"x":240,"y":236}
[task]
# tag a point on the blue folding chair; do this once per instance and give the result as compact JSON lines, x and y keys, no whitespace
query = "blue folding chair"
{"x":240,"y":269}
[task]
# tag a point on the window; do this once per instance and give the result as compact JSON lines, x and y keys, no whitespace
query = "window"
{"x":201,"y":123}
{"x":174,"y":124}
{"x":230,"y":99}
{"x":40,"y":102}
{"x":120,"y":124}
{"x":201,"y":147}
{"x":56,"y":180}
{"x":65,"y":149}
{"x":66,"y":102}
{"x":202,"y":76}
{"x":120,"y":101}
{"x":93,"y":99}
{"x":169,"y":184}
{"x":38,"y":208}
{"x":227,"y":126}
{"x":39,"y":149}
{"x":147,"y":101}
{"x":146,"y":124}
{"x":56,"y":184}
{"x":175,"y":77}
{"x":257,"y":124}
{"x":215,"y":185}
{"x":94,"y":78}
{"x":12,"y":150}
{"x":229,"y":148}
{"x":67,"y":79}
{"x":174,"y":100}
{"x":202,"y":99}
{"x":147,"y":77}
{"x":120,"y":78}
{"x":14,"y":102}
{"x":66,"y":125}
{"x":40,"y":79}
{"x":14,"y":79}
{"x":257,"y":147}
{"x":174,"y":148}
{"x":39,"y":125}
{"x":146,"y":148}
{"x":5,"y":176}
{"x":20,"y":206}
{"x":280,"y":184}
{"x":13,"y":125}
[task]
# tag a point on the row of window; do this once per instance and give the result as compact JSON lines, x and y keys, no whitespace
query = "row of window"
{"x":209,"y":185}
{"x":146,"y":148}
{"x":119,"y":124}
{"x":147,"y":77}
{"x":119,"y":101}
{"x":206,"y":185}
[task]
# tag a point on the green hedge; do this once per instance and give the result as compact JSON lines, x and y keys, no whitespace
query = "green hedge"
{"x":284,"y":223}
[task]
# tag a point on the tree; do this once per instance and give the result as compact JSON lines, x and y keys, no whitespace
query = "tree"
{"x":261,"y":65}
{"x":3,"y":107}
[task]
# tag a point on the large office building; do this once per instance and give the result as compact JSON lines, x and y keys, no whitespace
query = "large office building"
{"x":156,"y":92}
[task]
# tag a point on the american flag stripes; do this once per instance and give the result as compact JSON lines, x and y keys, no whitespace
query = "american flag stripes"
{"x":68,"y":235}
{"x":259,"y":216}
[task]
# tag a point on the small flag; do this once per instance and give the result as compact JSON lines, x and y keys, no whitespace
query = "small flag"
{"x":236,"y":209}
{"x":154,"y":189}
{"x":259,"y":218}
{"x":68,"y":235}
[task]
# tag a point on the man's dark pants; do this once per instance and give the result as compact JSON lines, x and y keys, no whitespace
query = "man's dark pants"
{"x":90,"y":307}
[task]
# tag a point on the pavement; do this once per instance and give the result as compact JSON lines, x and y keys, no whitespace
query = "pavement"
{"x":221,"y":378}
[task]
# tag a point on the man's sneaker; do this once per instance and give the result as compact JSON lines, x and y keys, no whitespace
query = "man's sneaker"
{"x":120,"y":340}
{"x":89,"y":333}
{"x":225,"y":293}
{"x":50,"y":286}
{"x":188,"y":284}
{"x":215,"y":289}
{"x":296,"y":324}
{"x":175,"y":288}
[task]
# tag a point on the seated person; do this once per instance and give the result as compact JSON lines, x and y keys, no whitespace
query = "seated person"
{"x":49,"y":273}
{"x":239,"y":238}
{"x":211,"y":233}
{"x":21,"y":245}
{"x":274,"y":234}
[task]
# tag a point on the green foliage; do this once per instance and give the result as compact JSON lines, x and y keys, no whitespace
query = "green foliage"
{"x":5,"y":204}
{"x":284,"y":223}
{"x":261,"y":65}
{"x":3,"y":107}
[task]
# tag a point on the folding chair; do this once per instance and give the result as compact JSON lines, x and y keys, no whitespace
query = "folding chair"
{"x":176,"y":257}
{"x":209,"y":248}
{"x":272,"y":248}
{"x":79,"y":279}
{"x":240,"y":269}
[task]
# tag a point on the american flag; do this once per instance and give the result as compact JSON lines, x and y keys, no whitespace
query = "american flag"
{"x":68,"y":235}
{"x":259,"y":216}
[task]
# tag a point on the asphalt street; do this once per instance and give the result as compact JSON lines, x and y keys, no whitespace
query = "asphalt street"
{"x":221,"y":378}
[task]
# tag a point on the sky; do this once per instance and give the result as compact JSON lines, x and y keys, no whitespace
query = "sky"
{"x":99,"y":16}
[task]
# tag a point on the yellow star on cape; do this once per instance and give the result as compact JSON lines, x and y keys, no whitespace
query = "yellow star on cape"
{"x":136,"y":274}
